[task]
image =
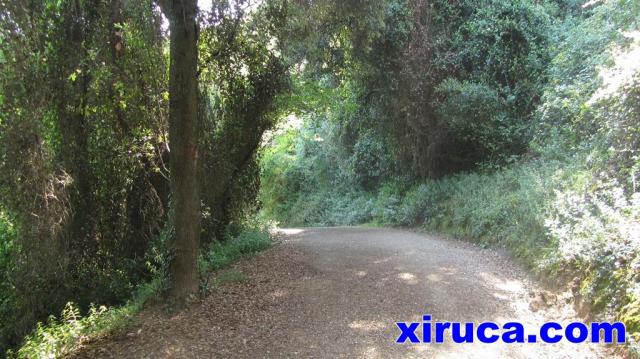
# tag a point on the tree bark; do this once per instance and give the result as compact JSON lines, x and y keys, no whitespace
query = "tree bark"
{"x":183,"y":139}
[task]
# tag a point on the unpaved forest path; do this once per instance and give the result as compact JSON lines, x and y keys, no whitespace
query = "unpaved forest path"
{"x":337,"y":293}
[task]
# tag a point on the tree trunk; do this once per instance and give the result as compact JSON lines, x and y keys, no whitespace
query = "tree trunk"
{"x":183,"y":141}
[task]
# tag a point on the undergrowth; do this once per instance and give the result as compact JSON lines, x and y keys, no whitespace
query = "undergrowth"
{"x":61,"y":336}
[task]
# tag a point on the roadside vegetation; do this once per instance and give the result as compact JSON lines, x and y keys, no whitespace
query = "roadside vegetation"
{"x":60,"y":336}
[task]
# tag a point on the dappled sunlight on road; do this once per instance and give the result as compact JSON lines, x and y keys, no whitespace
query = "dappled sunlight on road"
{"x":408,"y":278}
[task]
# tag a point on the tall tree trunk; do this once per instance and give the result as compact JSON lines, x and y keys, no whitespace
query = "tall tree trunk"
{"x":183,"y":141}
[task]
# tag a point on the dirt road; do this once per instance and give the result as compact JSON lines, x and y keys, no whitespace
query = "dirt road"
{"x":337,"y":293}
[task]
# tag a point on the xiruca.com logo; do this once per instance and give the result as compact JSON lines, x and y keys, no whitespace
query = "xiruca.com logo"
{"x":509,"y":332}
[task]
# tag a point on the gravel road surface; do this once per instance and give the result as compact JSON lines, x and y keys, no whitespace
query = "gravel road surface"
{"x":337,"y":293}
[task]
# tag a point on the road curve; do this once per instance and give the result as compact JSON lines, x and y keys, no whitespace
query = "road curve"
{"x":337,"y":293}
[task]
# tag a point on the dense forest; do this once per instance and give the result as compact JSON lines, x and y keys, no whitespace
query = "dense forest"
{"x":146,"y":143}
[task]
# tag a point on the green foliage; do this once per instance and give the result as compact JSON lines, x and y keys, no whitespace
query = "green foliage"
{"x":369,"y":161}
{"x":507,"y":207}
{"x":499,"y":52}
{"x":444,"y":85}
{"x":242,"y":81}
{"x":476,"y":112}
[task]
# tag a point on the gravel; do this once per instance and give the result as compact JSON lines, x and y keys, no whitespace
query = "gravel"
{"x":337,"y":293}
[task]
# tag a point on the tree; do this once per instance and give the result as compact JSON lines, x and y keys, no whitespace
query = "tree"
{"x":183,"y":140}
